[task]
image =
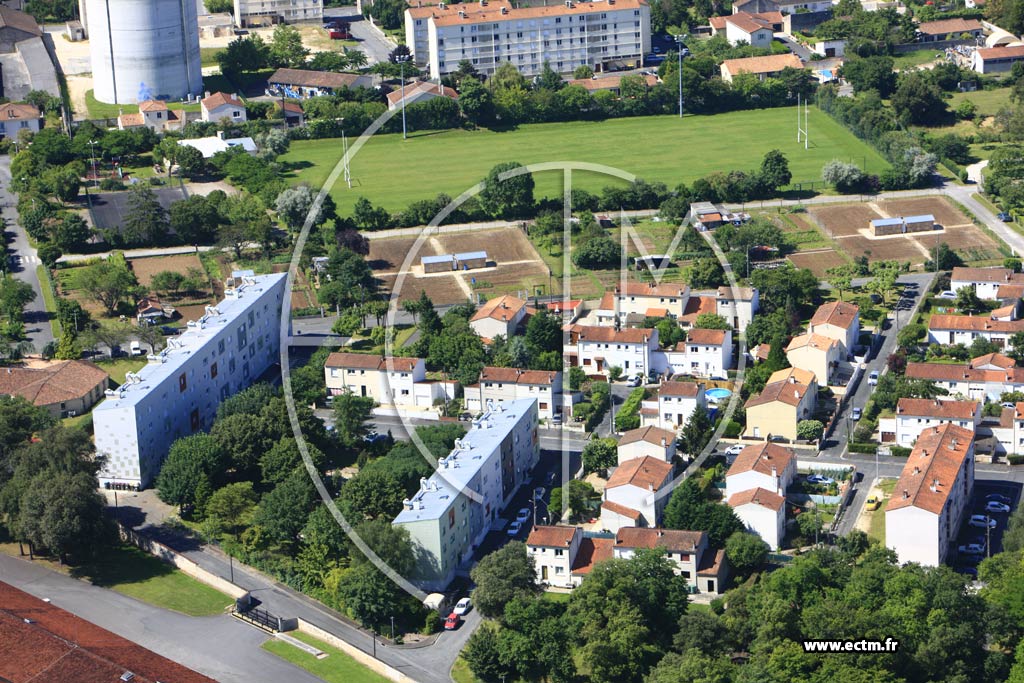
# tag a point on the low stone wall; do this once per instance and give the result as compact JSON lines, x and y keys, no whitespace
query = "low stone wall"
{"x":186,"y":565}
{"x":355,"y":653}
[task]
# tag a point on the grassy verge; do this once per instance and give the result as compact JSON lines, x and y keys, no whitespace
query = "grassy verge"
{"x":46,"y":287}
{"x":103,"y":110}
{"x":915,"y":58}
{"x":336,"y":667}
{"x":876,"y":528}
{"x":552,"y":596}
{"x":460,"y":672}
{"x":117,"y":368}
{"x":208,"y":55}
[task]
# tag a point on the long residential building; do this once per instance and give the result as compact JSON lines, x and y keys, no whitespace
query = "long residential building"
{"x":604,"y":34}
{"x":975,"y":381}
{"x":255,"y":13}
{"x":985,"y":281}
{"x":964,"y":329}
{"x":178,"y":392}
{"x":451,"y":513}
{"x":932,"y":495}
{"x":509,"y":384}
{"x":915,"y":415}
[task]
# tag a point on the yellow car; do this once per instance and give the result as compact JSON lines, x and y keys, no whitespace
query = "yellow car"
{"x":873,"y":504}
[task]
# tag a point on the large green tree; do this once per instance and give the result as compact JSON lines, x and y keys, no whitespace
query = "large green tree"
{"x":509,"y":198}
{"x":502,"y":575}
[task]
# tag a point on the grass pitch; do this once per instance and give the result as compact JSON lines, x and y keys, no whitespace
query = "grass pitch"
{"x":393,"y":173}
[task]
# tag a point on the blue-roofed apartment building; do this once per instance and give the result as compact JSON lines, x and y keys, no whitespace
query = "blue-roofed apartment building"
{"x":451,"y":513}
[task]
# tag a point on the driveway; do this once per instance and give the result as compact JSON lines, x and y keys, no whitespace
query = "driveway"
{"x":24,"y":260}
{"x":795,"y":47}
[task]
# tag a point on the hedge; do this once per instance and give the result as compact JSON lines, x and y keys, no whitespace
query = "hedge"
{"x":629,"y":415}
{"x":862,"y":447}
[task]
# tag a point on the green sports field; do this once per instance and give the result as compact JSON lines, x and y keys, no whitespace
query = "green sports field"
{"x":392,"y":173}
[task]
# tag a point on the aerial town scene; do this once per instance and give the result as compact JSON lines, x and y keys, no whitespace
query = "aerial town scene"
{"x":512,"y":341}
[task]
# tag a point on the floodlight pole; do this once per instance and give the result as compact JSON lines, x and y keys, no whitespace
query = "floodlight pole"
{"x":679,"y":53}
{"x":402,"y":59}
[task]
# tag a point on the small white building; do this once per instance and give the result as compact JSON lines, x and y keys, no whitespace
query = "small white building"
{"x":553,"y":550}
{"x":630,"y":497}
{"x":398,"y":385}
{"x":214,"y":144}
{"x":751,"y":29}
{"x":932,"y":496}
{"x":985,"y":281}
{"x":509,"y":384}
{"x":597,"y":349}
{"x":673,"y":406}
{"x":763,"y":513}
{"x":705,"y":353}
{"x":738,"y":305}
{"x":646,"y":442}
{"x":222,"y":106}
{"x":829,"y":48}
{"x":764,"y":465}
{"x":501,"y":315}
{"x":837,"y":320}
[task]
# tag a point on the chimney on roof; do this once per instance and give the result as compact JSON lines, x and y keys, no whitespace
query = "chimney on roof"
{"x":952,"y":444}
{"x":792,"y":379}
{"x":663,"y":441}
{"x":661,"y":533}
{"x":917,"y":470}
{"x":935,"y":486}
{"x":906,"y":494}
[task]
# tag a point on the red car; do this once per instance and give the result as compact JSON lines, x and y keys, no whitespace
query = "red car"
{"x":452,"y":622}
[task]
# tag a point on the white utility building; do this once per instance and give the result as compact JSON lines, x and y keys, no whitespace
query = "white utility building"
{"x":178,"y":392}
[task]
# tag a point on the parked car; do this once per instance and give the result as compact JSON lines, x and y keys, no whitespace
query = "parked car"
{"x":549,"y":479}
{"x":1004,"y":217}
{"x":993,"y":506}
{"x":452,"y":622}
{"x":735,"y":449}
{"x":462,"y":606}
{"x":820,"y":479}
{"x":136,"y":348}
{"x":523,"y":515}
{"x":872,"y":504}
{"x":948,"y":294}
{"x":855,"y":414}
{"x":635,"y":381}
{"x":998,"y":497}
{"x":1008,"y":404}
{"x":982,"y":521}
{"x":539,"y":492}
{"x":971,"y":549}
{"x":873,"y":378}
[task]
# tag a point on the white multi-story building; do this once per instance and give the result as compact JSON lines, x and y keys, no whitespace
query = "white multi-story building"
{"x":222,"y":106}
{"x":603,"y":34}
{"x":837,"y":320}
{"x":674,"y":404}
{"x":705,"y":353}
{"x":178,"y":392}
{"x":764,"y":465}
{"x":599,"y":348}
{"x":984,"y":281}
{"x":915,"y":415}
{"x":630,"y":497}
{"x":763,"y":512}
{"x":738,"y":305}
{"x":509,"y":384}
{"x":554,"y":549}
{"x":924,"y":514}
{"x":387,"y":380}
{"x":645,"y":300}
{"x":491,"y":461}
{"x":250,"y":13}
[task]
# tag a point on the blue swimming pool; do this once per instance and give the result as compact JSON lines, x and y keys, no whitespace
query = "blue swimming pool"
{"x":717,"y":394}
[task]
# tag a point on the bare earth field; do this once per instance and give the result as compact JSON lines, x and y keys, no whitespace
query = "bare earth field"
{"x":441,"y":290}
{"x":839,"y":221}
{"x":506,"y":244}
{"x":388,"y":255}
{"x":945,"y":213}
{"x":817,"y":261}
{"x":146,"y":268}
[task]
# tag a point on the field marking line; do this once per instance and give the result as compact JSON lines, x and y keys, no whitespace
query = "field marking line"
{"x":464,"y":286}
{"x":874,"y":207}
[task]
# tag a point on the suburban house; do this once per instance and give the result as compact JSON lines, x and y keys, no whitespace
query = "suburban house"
{"x":779,"y":407}
{"x":646,"y":300}
{"x":646,"y":442}
{"x":924,"y":514}
{"x":215,"y":144}
{"x":630,"y":496}
{"x":222,"y":106}
{"x":764,"y":465}
{"x":301,"y":84}
{"x":17,"y":117}
{"x":762,"y":67}
{"x":612,"y":83}
{"x":763,"y":512}
{"x":150,"y":310}
{"x":966,"y":381}
{"x":755,"y":30}
{"x":597,"y":349}
{"x":492,"y":460}
{"x":996,"y":60}
{"x":64,"y":388}
{"x":397,"y":384}
{"x":817,"y":353}
{"x":915,"y":415}
{"x":738,"y":305}
{"x":705,"y":353}
{"x":837,"y":320}
{"x":986,"y":282}
{"x":292,"y":113}
{"x":569,"y":311}
{"x":674,"y":404}
{"x":420,"y":91}
{"x":501,"y":315}
{"x":949,"y":29}
{"x":704,"y":570}
{"x":695,"y":307}
{"x":509,"y":384}
{"x":963,"y":329}
{"x":155,"y":115}
{"x":554,"y":549}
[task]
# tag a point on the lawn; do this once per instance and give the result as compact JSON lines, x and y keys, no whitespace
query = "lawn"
{"x":208,"y":55}
{"x":391,"y":173}
{"x":336,"y":667}
{"x":877,"y":528}
{"x":988,"y":102}
{"x":118,"y":367}
{"x":137,"y":574}
{"x":915,"y":58}
{"x":102,"y":110}
{"x":45,"y":286}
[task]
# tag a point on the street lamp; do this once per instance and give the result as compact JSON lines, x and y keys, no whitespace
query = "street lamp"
{"x":679,"y":53}
{"x":95,"y":178}
{"x":402,"y":59}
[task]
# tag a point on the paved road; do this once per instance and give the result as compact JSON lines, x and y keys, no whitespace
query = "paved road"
{"x":371,"y":40}
{"x":795,"y":47}
{"x":24,"y":261}
{"x":219,"y":646}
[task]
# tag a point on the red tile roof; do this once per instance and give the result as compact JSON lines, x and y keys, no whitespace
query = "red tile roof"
{"x":965,"y":274}
{"x":219,"y":99}
{"x":592,"y":551}
{"x":366,"y":361}
{"x":996,"y":359}
{"x":652,"y":435}
{"x":798,"y":375}
{"x":552,"y":536}
{"x":813,"y":340}
{"x":702,"y":336}
{"x":632,"y":335}
{"x":971,"y":323}
{"x":12,"y":18}
{"x":758,"y":496}
{"x":503,"y":308}
{"x":945,"y":372}
{"x":673,"y":388}
{"x":788,"y":392}
{"x":931,"y":469}
{"x":517,"y":376}
{"x":421,"y":87}
{"x":19,"y":112}
{"x":1011,"y":52}
{"x":647,"y":289}
{"x":736,"y":293}
{"x":622,"y":510}
{"x":645,"y":473}
{"x":1010,"y":291}
{"x":711,"y":565}
{"x":608,"y":82}
{"x":928,"y":407}
{"x":41,"y":643}
{"x":152,"y":105}
{"x":838,"y":313}
{"x":762,"y":65}
{"x":62,"y":381}
{"x":761,"y":458}
{"x":944,"y":27}
{"x":697,"y":305}
{"x":495,"y":15}
{"x":672,"y":540}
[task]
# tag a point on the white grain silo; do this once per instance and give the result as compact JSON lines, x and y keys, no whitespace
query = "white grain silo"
{"x":144,"y":49}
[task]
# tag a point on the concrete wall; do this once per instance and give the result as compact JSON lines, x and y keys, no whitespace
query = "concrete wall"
{"x":355,"y":653}
{"x":804,"y":20}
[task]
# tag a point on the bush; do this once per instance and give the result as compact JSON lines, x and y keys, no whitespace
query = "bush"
{"x":111,"y":184}
{"x":600,"y":398}
{"x":732,"y":430}
{"x":1015,"y":459}
{"x":628,"y":416}
{"x":899,"y":451}
{"x":866,"y":448}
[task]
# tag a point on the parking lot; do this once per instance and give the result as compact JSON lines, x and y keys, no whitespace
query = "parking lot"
{"x":992,"y":539}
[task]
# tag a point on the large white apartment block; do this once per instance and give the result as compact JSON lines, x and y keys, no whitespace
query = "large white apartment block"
{"x":178,"y":391}
{"x":631,"y":495}
{"x":673,"y":406}
{"x":491,"y":461}
{"x":932,"y":495}
{"x":602,"y":34}
{"x":705,"y":353}
{"x":985,"y":281}
{"x":250,"y":13}
{"x":915,"y":415}
{"x":509,"y":384}
{"x":599,"y":348}
{"x":764,"y":465}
